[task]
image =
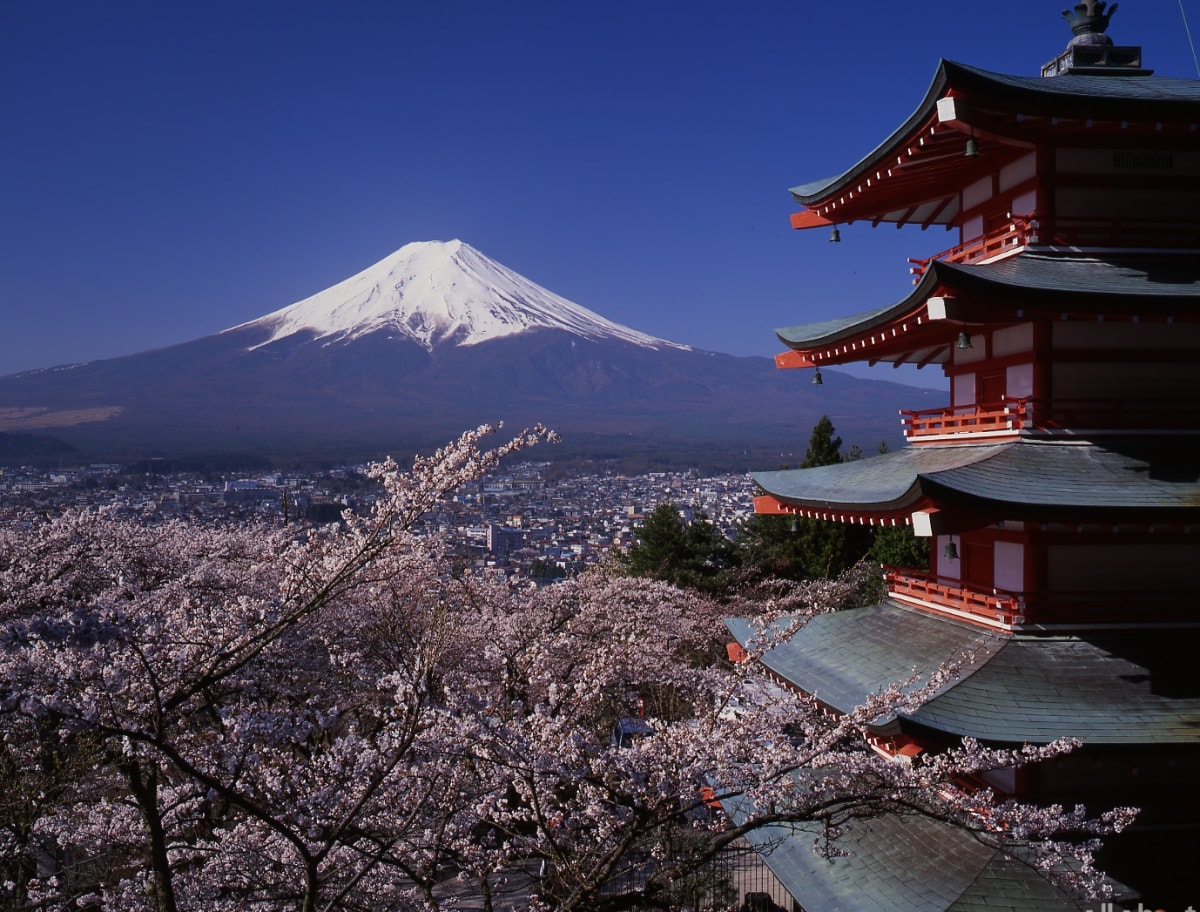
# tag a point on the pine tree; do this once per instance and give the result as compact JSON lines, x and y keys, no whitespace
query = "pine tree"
{"x":799,"y":547}
{"x":823,"y":447}
{"x":691,"y":554}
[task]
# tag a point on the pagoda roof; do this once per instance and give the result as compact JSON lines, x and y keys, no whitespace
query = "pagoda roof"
{"x":1104,"y":687}
{"x":916,"y":173}
{"x":1022,"y":287}
{"x":904,"y":863}
{"x":1140,"y":480}
{"x":844,"y":657}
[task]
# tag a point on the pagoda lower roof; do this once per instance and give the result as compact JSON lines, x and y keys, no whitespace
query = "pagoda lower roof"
{"x":1114,"y":479}
{"x":904,"y":863}
{"x":1104,"y":687}
{"x":1028,"y":286}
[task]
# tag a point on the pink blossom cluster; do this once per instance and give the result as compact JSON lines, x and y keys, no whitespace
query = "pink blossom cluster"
{"x":260,"y":717}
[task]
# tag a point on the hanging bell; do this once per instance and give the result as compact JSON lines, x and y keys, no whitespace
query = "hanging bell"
{"x":817,"y":381}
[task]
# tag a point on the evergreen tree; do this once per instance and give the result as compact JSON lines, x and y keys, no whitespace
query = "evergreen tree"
{"x":896,"y":546}
{"x":694,"y":554}
{"x":796,"y":547}
{"x":823,"y":447}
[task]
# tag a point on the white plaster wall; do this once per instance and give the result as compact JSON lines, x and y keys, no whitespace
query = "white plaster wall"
{"x":1009,"y":566}
{"x":1018,"y":380}
{"x":1017,"y":172}
{"x":976,"y":193}
{"x":1025,"y":204}
{"x":1013,"y":340}
{"x":962,"y":389}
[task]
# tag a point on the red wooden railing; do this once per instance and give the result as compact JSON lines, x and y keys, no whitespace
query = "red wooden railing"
{"x":1023,"y":413}
{"x":1024,"y":230}
{"x":994,"y":606}
{"x":1013,"y":414}
{"x":1019,"y":232}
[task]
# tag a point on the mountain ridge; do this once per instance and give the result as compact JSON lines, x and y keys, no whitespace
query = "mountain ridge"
{"x":488,"y":346}
{"x":440,"y":292}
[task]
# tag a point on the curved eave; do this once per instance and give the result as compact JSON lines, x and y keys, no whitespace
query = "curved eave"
{"x":904,"y":862}
{"x":816,"y":193}
{"x":890,"y":483}
{"x":844,"y":657}
{"x":1122,"y":480}
{"x":1104,"y":687}
{"x":915,"y":175}
{"x":920,"y":328}
{"x":899,"y":333}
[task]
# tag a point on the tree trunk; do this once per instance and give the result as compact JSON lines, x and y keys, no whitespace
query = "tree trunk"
{"x":143,"y":783}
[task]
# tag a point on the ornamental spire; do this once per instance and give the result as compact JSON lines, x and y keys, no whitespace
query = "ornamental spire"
{"x":1089,"y":21}
{"x":1091,"y":52}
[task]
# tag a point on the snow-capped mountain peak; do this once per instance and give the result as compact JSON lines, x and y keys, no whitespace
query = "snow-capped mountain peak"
{"x":437,"y":292}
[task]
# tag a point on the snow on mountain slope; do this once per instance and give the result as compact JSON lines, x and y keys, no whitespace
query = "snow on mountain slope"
{"x":436,"y":292}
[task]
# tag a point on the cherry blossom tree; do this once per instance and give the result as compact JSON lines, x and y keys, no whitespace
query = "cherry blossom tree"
{"x":208,"y":717}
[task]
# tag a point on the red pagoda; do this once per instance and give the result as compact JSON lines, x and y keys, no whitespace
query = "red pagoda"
{"x":1061,"y":483}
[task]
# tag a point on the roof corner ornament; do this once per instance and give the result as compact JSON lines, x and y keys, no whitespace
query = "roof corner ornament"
{"x":1089,"y":21}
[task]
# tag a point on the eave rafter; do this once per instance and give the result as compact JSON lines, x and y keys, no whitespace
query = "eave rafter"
{"x":911,"y":338}
{"x":1006,"y":118}
{"x":908,"y":181}
{"x":936,"y":214}
{"x":770,"y":505}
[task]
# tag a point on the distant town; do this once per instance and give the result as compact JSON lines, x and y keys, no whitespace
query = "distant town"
{"x":531,"y":522}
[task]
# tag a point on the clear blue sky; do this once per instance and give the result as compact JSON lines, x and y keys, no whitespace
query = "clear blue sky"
{"x":168,"y":170}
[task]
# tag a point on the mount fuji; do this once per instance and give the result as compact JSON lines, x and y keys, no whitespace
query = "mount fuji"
{"x":431,"y":340}
{"x":436,"y":293}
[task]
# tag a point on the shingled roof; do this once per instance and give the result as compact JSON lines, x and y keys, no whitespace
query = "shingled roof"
{"x":1102,"y":687}
{"x":1026,"y":286}
{"x":1104,"y":481}
{"x":1027,"y":107}
{"x":904,"y":863}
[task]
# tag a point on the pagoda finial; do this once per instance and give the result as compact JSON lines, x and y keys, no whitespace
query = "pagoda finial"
{"x":1088,"y":21}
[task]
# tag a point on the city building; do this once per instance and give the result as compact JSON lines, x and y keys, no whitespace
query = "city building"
{"x":1060,"y":485}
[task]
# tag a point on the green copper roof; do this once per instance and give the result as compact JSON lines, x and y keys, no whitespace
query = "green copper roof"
{"x":1129,"y":283}
{"x":1127,"y":687}
{"x":890,"y":481}
{"x":1029,"y":478}
{"x":844,"y":657}
{"x":1138,"y":278}
{"x":1103,"y":687}
{"x":906,"y":863}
